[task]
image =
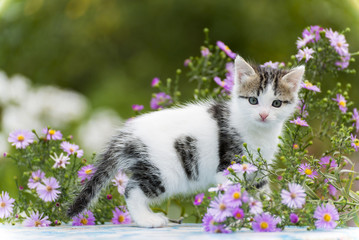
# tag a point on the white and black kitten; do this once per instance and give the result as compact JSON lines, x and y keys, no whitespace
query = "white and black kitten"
{"x":183,"y":150}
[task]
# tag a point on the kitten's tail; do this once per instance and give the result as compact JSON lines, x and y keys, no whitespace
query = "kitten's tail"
{"x":106,"y":169}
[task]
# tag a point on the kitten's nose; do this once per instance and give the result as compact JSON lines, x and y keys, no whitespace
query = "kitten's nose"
{"x":263,"y":116}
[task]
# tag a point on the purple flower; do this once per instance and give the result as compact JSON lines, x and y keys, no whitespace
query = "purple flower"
{"x":71,"y":149}
{"x":299,"y":122}
{"x":326,"y":216}
{"x":208,"y":223}
{"x":307,"y":85}
{"x":255,"y":206}
{"x":186,"y":62}
{"x":244,"y":168}
{"x":60,"y":161}
{"x":315,"y":31}
{"x":155,"y":82}
{"x":121,"y":216}
{"x":137,"y":108}
{"x":293,"y":218}
{"x":198,"y":199}
{"x":120,"y":181}
{"x":295,"y":197}
{"x":52,"y":134}
{"x":35,"y":179}
{"x":238,"y":213}
{"x":337,"y":41}
{"x":265,"y":223}
{"x":306,"y":54}
{"x":21,"y":138}
{"x":221,"y":228}
{"x":305,"y":169}
{"x":301,"y":107}
{"x":332,"y":190}
{"x":220,"y":209}
{"x":270,"y":64}
{"x":342,"y":103}
{"x":85,"y":218}
{"x":86,"y":172}
{"x":327,"y":160}
{"x":160,"y":100}
{"x":220,"y":187}
{"x":205,"y":51}
{"x":356,"y":119}
{"x":226,"y":49}
{"x":109,"y":196}
{"x":6,"y":205}
{"x":37,"y":220}
{"x":355,"y":142}
{"x":48,"y":192}
{"x":233,"y":196}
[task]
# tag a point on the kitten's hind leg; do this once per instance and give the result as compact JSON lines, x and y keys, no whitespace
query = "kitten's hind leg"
{"x":137,"y":204}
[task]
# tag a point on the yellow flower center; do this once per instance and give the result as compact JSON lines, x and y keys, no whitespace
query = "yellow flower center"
{"x":308,"y":84}
{"x":88,"y":171}
{"x":52,"y":132}
{"x":264,"y":225}
{"x":36,"y":179}
{"x":37,"y":223}
{"x":84,"y":221}
{"x":72,"y":150}
{"x":308,"y":171}
{"x":293,"y":195}
{"x":49,"y":188}
{"x":342,"y":103}
{"x":236,"y":195}
{"x":295,"y":146}
{"x":121,"y":218}
{"x":226,"y":48}
{"x":2,"y":204}
{"x":238,"y":215}
{"x":222,"y":207}
{"x":244,"y":167}
{"x":339,"y":44}
{"x":20,"y":138}
{"x":356,"y":142}
{"x":327,"y":217}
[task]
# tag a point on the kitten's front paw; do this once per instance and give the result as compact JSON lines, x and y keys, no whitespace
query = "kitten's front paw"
{"x":152,"y":221}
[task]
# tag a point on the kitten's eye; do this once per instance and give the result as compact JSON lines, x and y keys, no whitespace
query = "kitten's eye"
{"x":277,"y":103}
{"x":253,"y":100}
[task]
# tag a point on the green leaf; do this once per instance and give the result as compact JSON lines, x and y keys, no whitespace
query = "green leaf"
{"x":310,"y":192}
{"x":349,"y":184}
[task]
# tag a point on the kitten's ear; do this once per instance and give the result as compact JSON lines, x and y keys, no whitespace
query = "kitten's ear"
{"x":242,"y":70}
{"x":294,"y":77}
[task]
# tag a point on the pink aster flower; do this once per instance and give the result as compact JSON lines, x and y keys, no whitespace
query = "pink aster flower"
{"x":305,"y":169}
{"x":255,"y":206}
{"x":299,"y":122}
{"x":238,"y":213}
{"x":315,"y":31}
{"x":21,"y":138}
{"x":244,"y":168}
{"x":221,"y":187}
{"x":328,"y":160}
{"x":233,"y":196}
{"x":356,"y":119}
{"x":307,"y":85}
{"x":160,"y":101}
{"x":226,"y":49}
{"x":86,"y":172}
{"x":355,"y":142}
{"x":342,"y":103}
{"x":85,"y":218}
{"x":35,"y":179}
{"x":295,"y":197}
{"x":326,"y":216}
{"x":332,"y":190}
{"x":198,"y":199}
{"x":120,"y":181}
{"x":37,"y":220}
{"x":186,"y":62}
{"x":306,"y":54}
{"x":155,"y":82}
{"x":270,"y":64}
{"x":265,"y":223}
{"x":137,"y":108}
{"x":208,"y":223}
{"x":344,"y":61}
{"x":220,"y":209}
{"x":121,"y":216}
{"x":205,"y":51}
{"x":72,"y":149}
{"x":6,"y":205}
{"x":52,"y":134}
{"x":293,"y":218}
{"x":60,"y":161}
{"x":337,"y":41}
{"x":47,"y":191}
{"x":302,"y":111}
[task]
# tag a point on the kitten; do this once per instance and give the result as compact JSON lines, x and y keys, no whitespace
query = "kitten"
{"x":183,"y":150}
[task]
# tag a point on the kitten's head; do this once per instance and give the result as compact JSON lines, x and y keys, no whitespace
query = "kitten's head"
{"x":264,"y":95}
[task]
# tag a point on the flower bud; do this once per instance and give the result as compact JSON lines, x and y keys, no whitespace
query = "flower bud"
{"x":205,"y":30}
{"x":204,"y":79}
{"x":245,"y":145}
{"x":179,"y":71}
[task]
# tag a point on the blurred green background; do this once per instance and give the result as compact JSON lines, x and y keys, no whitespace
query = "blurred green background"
{"x":109,"y":50}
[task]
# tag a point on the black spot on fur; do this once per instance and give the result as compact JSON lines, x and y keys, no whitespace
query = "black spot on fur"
{"x":229,"y":141}
{"x":186,"y":148}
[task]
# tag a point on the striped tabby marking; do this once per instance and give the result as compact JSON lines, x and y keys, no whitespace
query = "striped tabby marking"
{"x":186,"y":148}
